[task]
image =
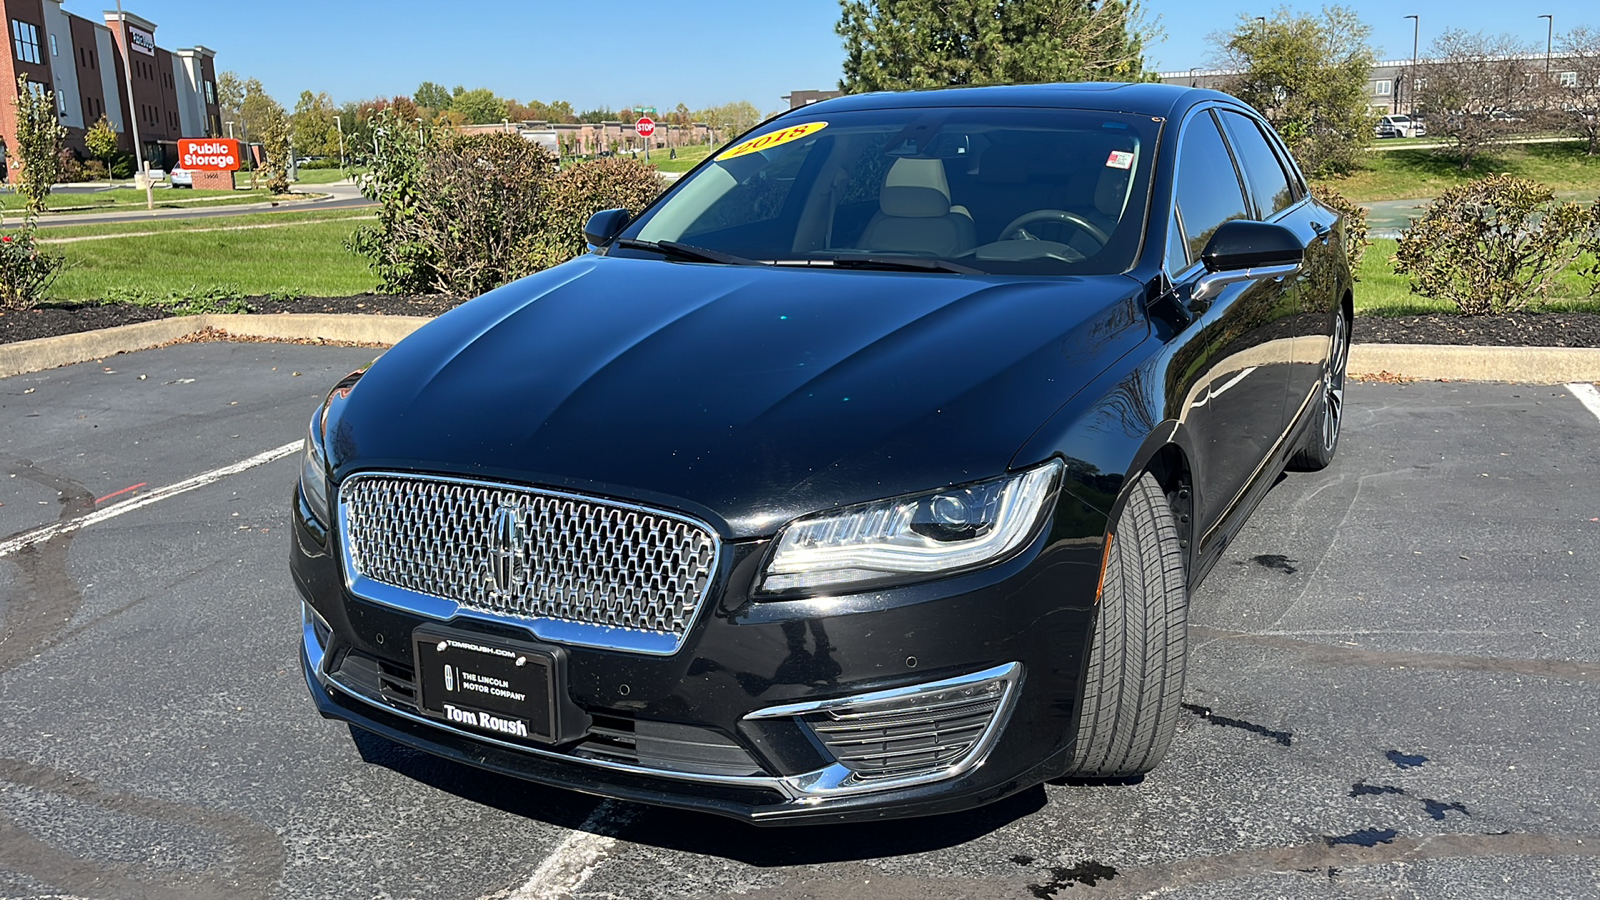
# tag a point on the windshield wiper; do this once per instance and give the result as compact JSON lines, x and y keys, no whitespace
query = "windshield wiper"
{"x":888,"y":263}
{"x":688,"y":251}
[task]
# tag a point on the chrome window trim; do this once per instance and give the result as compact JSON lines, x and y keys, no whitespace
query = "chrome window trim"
{"x":810,"y":788}
{"x":559,"y":631}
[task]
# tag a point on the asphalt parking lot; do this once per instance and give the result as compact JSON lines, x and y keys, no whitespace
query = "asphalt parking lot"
{"x":1392,"y":692}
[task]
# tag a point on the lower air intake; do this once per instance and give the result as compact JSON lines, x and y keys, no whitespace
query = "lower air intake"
{"x":931,"y":730}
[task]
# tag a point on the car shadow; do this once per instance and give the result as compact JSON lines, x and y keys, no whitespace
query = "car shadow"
{"x":701,"y":833}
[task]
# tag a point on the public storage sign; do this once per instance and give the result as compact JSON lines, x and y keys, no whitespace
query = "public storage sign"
{"x":208,"y":154}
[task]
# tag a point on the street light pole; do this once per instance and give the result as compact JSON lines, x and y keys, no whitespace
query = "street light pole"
{"x":133,"y":115}
{"x":1549,"y":37}
{"x":339,"y":124}
{"x":1411,"y":82}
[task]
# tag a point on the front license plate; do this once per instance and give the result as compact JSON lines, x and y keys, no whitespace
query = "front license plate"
{"x":486,"y":684}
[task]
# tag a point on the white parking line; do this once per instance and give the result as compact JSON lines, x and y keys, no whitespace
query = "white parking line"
{"x":39,"y":536}
{"x":567,"y":867}
{"x":1588,"y":395}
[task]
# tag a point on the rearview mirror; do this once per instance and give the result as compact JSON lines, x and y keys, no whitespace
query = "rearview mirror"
{"x":605,"y":225}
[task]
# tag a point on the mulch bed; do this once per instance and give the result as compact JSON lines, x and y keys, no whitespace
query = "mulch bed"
{"x":1512,"y":330}
{"x":50,"y":321}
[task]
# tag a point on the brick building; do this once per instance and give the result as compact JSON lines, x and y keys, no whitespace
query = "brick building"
{"x":81,"y":61}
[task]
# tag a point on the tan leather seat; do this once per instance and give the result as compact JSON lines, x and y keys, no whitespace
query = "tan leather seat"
{"x":914,"y":213}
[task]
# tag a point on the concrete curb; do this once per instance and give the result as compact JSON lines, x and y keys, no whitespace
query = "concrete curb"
{"x":47,"y":353}
{"x":1426,"y":362}
{"x":1435,"y":362}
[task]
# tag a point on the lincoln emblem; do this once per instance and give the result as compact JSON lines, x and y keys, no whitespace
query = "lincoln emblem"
{"x":508,"y":569}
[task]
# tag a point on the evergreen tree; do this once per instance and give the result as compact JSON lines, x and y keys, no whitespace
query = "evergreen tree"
{"x":907,"y":44}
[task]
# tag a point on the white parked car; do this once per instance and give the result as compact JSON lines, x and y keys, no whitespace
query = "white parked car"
{"x":182,"y":178}
{"x":1400,"y":126}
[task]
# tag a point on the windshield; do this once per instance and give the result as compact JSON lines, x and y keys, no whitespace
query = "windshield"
{"x":1001,"y":190}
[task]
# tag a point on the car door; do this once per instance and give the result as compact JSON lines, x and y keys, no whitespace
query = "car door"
{"x":1279,"y":197}
{"x":1234,"y":408}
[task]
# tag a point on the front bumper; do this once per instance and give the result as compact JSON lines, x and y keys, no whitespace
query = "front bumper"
{"x":729,"y":720}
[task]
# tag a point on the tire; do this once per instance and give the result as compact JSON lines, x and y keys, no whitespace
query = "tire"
{"x":1322,"y":438}
{"x":1136,"y":665}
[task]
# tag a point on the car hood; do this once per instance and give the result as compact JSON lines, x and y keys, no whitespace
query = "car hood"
{"x":744,"y":395}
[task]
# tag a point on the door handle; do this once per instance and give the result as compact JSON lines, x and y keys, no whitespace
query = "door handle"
{"x":1322,"y":231}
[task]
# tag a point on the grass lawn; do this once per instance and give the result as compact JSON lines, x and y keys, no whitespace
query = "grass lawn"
{"x":307,"y":258}
{"x":688,"y":158}
{"x":63,"y":233}
{"x":1407,"y":174}
{"x":1381,"y":292}
{"x":309,"y":176}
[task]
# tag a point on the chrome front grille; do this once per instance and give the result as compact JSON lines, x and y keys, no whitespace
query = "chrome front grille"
{"x":575,"y":569}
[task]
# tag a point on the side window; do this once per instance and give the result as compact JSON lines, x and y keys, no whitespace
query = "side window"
{"x":1208,"y":187}
{"x":1262,"y":170}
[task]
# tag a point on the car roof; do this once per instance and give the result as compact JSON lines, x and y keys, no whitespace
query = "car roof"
{"x":1145,"y":98}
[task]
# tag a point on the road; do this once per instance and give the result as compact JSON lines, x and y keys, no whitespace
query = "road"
{"x":1392,"y":693}
{"x":340,"y":196}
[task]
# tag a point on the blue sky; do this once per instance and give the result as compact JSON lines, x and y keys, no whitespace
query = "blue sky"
{"x":621,"y":52}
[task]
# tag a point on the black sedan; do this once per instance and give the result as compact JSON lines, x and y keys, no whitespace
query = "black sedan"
{"x":867,"y":472}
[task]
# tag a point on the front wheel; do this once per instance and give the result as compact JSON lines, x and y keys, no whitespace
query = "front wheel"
{"x":1322,"y":438}
{"x":1136,"y":664}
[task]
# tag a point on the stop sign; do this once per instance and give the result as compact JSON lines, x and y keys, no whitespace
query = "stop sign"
{"x":646,"y":126}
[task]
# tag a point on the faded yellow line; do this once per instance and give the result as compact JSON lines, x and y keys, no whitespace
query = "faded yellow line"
{"x":128,"y":234}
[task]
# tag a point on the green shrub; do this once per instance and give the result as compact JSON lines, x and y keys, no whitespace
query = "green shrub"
{"x":1494,"y":245}
{"x":70,"y":167}
{"x":578,"y":192}
{"x":1355,"y":221}
{"x":402,"y":264}
{"x":122,"y":164}
{"x":480,"y":210}
{"x":25,"y":271}
{"x":463,"y":214}
{"x":94,"y":170}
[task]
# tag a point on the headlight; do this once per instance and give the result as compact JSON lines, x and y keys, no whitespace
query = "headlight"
{"x":934,"y":533}
{"x":314,"y":472}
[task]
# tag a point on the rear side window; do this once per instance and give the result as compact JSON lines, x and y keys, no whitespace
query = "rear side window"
{"x":1208,"y":187}
{"x":1262,"y":169}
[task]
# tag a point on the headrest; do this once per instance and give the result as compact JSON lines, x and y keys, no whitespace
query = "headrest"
{"x":915,"y":189}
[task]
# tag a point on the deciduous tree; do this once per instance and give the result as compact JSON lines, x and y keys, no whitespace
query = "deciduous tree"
{"x":1579,"y":100}
{"x":480,"y":106}
{"x":1475,"y":89}
{"x":39,"y":136}
{"x":101,"y":140}
{"x":905,"y":44}
{"x":432,"y":96}
{"x":1308,"y":74}
{"x":314,"y":131}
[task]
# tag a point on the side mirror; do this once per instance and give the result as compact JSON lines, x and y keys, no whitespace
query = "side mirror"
{"x":605,"y":225}
{"x":1246,"y":251}
{"x":1247,"y":245}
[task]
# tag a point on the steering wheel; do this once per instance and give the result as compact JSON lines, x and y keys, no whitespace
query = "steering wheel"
{"x":1015,"y":231}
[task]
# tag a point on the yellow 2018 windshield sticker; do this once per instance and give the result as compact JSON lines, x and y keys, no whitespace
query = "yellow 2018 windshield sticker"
{"x":772,"y":139}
